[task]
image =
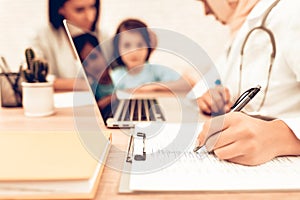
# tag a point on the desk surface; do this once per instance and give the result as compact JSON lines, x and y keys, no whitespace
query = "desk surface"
{"x":13,"y":119}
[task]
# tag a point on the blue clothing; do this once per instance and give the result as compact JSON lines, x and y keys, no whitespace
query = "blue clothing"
{"x":101,"y":90}
{"x":150,"y":73}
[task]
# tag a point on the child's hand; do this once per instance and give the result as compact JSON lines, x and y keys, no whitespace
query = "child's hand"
{"x":215,"y":100}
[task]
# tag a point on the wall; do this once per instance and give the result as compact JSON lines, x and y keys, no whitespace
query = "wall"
{"x":20,"y":19}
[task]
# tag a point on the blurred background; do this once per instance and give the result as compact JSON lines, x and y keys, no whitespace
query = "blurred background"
{"x":21,"y":19}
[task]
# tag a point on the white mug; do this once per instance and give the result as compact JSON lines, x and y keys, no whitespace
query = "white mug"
{"x":38,"y":99}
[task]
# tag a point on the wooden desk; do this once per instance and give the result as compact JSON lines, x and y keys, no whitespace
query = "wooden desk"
{"x":13,"y":119}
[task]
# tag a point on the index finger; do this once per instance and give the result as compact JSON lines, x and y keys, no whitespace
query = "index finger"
{"x":210,"y":127}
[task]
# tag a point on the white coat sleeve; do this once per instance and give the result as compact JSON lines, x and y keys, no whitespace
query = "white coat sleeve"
{"x":290,"y":36}
{"x":294,"y":125}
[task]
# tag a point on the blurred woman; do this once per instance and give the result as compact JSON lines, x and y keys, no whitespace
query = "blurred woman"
{"x":52,"y":44}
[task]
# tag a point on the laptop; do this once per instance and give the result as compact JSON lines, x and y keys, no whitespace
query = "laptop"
{"x":121,"y":112}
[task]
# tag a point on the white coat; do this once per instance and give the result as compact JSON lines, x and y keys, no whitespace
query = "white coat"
{"x":283,"y":95}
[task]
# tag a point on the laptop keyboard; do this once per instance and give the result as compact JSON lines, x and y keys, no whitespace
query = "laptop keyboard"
{"x":140,"y":110}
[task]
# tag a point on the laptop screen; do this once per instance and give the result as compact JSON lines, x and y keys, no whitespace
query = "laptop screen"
{"x":92,"y":59}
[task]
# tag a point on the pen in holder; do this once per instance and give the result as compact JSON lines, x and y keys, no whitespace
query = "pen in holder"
{"x":10,"y":86}
{"x":11,"y":91}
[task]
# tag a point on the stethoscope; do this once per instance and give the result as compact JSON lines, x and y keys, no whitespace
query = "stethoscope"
{"x":262,"y":27}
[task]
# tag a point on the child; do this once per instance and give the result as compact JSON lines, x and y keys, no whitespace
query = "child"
{"x":133,"y":45}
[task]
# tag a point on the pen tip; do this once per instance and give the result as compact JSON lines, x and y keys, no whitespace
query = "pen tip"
{"x":196,"y":148}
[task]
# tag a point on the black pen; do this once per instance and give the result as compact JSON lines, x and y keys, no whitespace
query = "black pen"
{"x":240,"y":104}
{"x":242,"y":101}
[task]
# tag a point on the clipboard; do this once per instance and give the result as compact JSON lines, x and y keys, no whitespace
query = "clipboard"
{"x":139,"y":139}
{"x":138,"y":154}
{"x":270,"y":176}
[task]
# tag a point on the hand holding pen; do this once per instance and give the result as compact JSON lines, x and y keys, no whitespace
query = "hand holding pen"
{"x":239,"y":138}
{"x":211,"y":138}
{"x":215,"y":101}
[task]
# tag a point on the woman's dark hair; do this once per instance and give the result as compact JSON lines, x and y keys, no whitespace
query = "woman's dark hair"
{"x":134,"y":25}
{"x":81,"y":40}
{"x":56,"y":19}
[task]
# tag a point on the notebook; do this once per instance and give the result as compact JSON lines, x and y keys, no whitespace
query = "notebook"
{"x":171,"y":165}
{"x":121,"y":112}
{"x":49,"y":165}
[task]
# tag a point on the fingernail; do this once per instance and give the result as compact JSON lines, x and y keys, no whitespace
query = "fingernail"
{"x":197,"y":143}
{"x":200,"y":142}
{"x":227,"y":108}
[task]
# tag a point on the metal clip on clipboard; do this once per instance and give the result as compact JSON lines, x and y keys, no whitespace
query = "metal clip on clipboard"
{"x":136,"y":148}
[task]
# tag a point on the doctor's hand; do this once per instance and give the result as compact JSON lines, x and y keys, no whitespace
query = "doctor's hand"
{"x":249,"y":141}
{"x":215,"y":101}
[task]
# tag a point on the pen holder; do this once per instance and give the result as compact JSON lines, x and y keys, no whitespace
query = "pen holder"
{"x":11,"y":92}
{"x":38,"y":99}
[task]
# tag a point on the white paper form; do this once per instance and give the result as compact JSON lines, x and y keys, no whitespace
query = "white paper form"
{"x":175,"y":168}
